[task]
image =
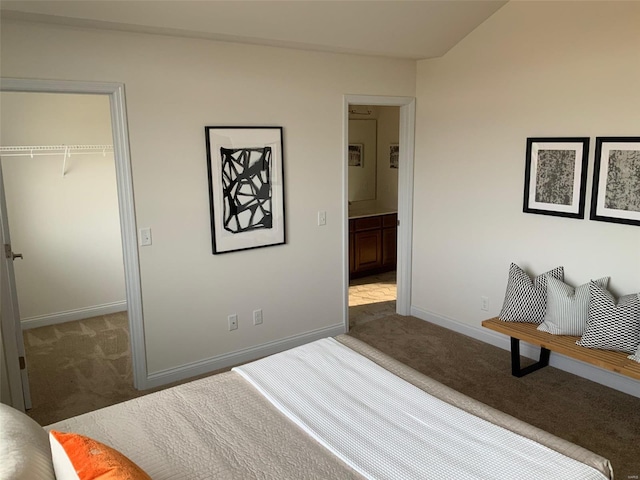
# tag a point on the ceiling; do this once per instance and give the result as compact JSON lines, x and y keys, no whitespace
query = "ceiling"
{"x":410,"y":29}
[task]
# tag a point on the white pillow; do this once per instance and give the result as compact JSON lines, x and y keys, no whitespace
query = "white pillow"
{"x":24,"y":447}
{"x":567,"y":307}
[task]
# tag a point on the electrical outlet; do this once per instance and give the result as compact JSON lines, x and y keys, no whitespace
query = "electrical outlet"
{"x":484,"y":304}
{"x":257,"y":317}
{"x":233,"y":322}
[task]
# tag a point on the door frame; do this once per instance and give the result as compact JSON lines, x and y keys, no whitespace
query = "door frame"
{"x":405,"y":195}
{"x":124,"y":181}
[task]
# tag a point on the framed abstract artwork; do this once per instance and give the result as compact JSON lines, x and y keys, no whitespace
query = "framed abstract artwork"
{"x":246,"y":187}
{"x":555,"y":176}
{"x":616,"y":180}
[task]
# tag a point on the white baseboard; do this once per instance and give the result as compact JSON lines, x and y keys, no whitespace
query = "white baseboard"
{"x":562,"y":362}
{"x":189,"y":370}
{"x":73,"y":315}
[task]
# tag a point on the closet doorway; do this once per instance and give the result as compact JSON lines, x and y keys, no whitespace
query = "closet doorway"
{"x":128,"y":301}
{"x":62,"y":204}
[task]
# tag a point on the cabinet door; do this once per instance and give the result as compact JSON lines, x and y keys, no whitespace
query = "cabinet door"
{"x":368,"y":250}
{"x":389,"y":247}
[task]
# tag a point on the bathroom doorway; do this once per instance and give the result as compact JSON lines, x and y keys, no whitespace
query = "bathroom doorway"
{"x":394,"y":150}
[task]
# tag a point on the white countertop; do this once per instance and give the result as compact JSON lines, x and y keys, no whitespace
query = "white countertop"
{"x":369,"y":212}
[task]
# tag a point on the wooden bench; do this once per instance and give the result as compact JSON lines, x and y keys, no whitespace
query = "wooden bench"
{"x":564,"y":344}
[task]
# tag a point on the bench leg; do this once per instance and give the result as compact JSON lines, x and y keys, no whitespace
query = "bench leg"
{"x":516,"y":371}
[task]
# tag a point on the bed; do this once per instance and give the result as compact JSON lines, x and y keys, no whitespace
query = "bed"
{"x":333,"y":409}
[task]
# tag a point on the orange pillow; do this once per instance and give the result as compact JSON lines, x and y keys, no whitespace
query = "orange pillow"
{"x":76,"y":457}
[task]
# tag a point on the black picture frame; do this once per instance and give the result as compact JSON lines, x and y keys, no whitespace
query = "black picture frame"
{"x":616,"y":180}
{"x":555,"y":176}
{"x":246,"y":187}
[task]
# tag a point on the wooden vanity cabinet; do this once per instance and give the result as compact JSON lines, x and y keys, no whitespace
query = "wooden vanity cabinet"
{"x":372,"y":244}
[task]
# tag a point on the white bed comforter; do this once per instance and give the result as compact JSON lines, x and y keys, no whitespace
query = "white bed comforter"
{"x":386,"y":428}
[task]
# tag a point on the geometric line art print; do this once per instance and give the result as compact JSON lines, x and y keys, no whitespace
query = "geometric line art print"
{"x":246,"y":188}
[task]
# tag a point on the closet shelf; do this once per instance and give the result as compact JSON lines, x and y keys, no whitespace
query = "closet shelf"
{"x":65,"y":150}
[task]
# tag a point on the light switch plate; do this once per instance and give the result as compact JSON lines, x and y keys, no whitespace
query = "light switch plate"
{"x":145,"y":237}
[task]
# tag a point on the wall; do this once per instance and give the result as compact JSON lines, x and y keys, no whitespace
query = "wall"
{"x":388,"y":133}
{"x":532,"y":69}
{"x":67,"y":227}
{"x":362,"y":178}
{"x":176,"y":86}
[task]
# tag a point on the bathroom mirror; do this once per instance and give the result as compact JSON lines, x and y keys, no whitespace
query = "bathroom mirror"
{"x":363,"y":151}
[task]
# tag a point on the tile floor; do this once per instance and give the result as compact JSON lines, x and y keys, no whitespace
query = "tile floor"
{"x":372,"y":297}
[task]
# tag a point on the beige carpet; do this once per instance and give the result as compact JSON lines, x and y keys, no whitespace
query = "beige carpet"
{"x":81,"y":366}
{"x":77,"y":367}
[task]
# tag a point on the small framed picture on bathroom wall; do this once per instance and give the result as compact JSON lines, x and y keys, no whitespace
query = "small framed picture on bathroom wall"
{"x":356,"y":155}
{"x":394,"y":151}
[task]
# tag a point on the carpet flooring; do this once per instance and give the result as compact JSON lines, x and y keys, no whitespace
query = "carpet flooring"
{"x":76,"y":367}
{"x":98,"y":373}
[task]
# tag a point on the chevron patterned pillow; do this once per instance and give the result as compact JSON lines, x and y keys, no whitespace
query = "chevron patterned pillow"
{"x":567,"y":307}
{"x":526,"y":300}
{"x":613,"y":324}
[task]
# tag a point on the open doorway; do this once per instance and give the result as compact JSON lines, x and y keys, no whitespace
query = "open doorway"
{"x":373,"y":206}
{"x":62,"y":204}
{"x":14,"y":389}
{"x":403,"y":219}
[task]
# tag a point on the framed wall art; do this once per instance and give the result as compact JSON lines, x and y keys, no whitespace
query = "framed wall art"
{"x":394,"y":155}
{"x":616,"y":180}
{"x":356,"y":155}
{"x":246,"y":187}
{"x":555,"y":176}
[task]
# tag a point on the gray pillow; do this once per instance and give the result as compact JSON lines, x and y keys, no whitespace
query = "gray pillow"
{"x":24,"y":447}
{"x":567,"y":307}
{"x":526,"y":300}
{"x":612,"y":325}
